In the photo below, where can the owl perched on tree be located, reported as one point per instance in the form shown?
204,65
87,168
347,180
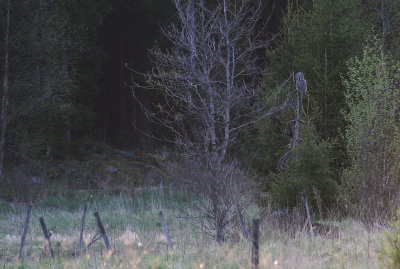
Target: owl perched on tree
301,84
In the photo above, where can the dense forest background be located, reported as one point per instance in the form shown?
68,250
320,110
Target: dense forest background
97,38
66,81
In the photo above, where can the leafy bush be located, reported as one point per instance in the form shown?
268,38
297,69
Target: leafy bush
307,169
370,185
390,253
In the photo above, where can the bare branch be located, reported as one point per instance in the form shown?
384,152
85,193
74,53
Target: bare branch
211,77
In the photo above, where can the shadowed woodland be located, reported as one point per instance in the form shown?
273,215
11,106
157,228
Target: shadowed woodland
220,111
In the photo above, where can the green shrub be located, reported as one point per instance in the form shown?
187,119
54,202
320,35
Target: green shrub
390,253
369,186
307,170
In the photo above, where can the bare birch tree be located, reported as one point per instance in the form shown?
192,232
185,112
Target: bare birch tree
211,76
211,79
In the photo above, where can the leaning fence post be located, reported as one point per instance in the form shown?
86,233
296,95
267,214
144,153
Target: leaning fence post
166,231
255,239
46,236
242,223
102,231
82,227
28,216
308,216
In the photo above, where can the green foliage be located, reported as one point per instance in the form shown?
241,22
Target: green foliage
264,145
318,41
384,14
5,208
53,43
307,168
390,250
370,184
60,203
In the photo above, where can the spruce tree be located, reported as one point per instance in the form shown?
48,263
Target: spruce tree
317,39
50,41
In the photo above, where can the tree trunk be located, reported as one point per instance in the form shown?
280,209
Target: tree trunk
218,225
66,78
296,140
4,104
229,73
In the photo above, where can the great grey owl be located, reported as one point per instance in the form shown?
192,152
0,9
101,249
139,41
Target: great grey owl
301,84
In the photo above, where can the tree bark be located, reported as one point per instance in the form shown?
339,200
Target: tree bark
21,246
166,231
102,231
46,237
296,140
82,228
4,103
241,219
255,258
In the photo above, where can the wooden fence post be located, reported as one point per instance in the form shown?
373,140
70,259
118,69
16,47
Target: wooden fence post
102,231
46,236
308,215
28,216
242,223
166,231
82,227
255,240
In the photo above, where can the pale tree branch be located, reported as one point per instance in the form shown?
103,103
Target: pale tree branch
211,76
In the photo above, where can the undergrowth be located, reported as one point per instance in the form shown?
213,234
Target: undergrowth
136,235
128,199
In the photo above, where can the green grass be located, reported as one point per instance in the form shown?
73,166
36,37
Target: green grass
138,241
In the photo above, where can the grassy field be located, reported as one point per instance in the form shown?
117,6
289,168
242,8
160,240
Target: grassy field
137,238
